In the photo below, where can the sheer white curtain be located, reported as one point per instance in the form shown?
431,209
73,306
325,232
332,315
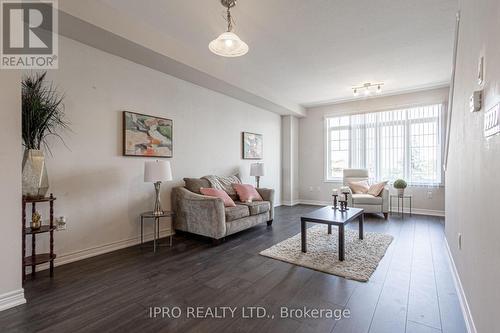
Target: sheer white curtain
403,143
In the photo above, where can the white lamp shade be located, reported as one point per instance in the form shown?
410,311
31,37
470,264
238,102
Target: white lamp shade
257,169
157,171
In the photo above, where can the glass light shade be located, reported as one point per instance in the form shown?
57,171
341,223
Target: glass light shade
228,44
157,171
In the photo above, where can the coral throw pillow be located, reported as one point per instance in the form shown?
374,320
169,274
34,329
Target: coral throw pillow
213,192
247,193
359,187
375,189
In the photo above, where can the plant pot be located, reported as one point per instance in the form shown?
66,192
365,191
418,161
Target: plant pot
35,225
401,192
35,178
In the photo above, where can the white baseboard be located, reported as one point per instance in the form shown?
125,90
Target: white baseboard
290,203
469,322
421,211
314,202
417,211
12,299
67,258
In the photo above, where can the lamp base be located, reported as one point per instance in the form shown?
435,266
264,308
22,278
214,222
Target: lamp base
257,180
157,211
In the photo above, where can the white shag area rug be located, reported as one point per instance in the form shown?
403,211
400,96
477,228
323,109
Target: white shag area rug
361,256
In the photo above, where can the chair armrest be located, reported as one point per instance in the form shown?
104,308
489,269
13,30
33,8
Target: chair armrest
267,194
385,200
198,213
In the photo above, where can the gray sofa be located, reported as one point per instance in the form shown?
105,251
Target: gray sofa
207,216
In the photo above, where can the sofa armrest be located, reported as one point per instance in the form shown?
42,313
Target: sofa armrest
198,213
385,200
267,194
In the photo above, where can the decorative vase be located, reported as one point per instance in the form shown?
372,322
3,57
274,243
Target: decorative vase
35,178
401,192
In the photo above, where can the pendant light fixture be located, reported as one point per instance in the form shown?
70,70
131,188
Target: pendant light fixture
228,44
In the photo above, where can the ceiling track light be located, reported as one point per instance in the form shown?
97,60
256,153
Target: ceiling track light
228,44
367,88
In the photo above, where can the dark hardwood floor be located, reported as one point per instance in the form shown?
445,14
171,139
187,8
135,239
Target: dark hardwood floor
411,291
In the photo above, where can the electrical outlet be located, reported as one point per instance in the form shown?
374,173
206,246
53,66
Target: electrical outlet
311,189
459,241
429,195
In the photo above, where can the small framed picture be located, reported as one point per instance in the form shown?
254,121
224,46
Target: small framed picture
147,136
253,147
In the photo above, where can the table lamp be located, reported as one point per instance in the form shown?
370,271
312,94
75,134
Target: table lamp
157,172
257,170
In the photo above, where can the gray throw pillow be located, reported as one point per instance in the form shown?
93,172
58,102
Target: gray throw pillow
194,184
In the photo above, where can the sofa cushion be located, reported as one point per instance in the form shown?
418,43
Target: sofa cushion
235,213
376,189
247,193
194,184
257,207
213,192
366,199
359,187
244,223
223,182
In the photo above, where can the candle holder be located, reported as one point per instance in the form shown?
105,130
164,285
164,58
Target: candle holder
335,201
343,205
346,196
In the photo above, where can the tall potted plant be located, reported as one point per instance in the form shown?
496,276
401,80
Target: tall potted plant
42,117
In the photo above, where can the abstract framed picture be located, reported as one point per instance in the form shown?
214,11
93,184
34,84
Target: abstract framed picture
253,146
147,136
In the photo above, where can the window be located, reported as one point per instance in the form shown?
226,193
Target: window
403,143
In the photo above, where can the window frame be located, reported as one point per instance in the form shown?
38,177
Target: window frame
441,120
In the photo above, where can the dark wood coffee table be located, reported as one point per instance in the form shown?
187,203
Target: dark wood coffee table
328,215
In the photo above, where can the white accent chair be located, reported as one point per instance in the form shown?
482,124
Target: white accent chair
369,203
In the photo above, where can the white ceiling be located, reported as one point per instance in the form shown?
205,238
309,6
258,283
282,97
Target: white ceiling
312,52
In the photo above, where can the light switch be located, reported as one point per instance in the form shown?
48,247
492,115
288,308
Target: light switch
492,121
476,101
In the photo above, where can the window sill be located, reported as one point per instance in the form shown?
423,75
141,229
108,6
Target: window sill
341,182
335,180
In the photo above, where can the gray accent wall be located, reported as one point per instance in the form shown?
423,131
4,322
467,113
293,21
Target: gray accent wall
101,192
472,177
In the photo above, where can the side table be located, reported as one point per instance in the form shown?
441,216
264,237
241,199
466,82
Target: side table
402,199
156,222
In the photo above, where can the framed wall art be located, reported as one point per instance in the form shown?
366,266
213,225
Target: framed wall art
253,146
147,136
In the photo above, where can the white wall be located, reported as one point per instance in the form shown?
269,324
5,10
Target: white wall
11,293
472,178
290,160
101,192
313,187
